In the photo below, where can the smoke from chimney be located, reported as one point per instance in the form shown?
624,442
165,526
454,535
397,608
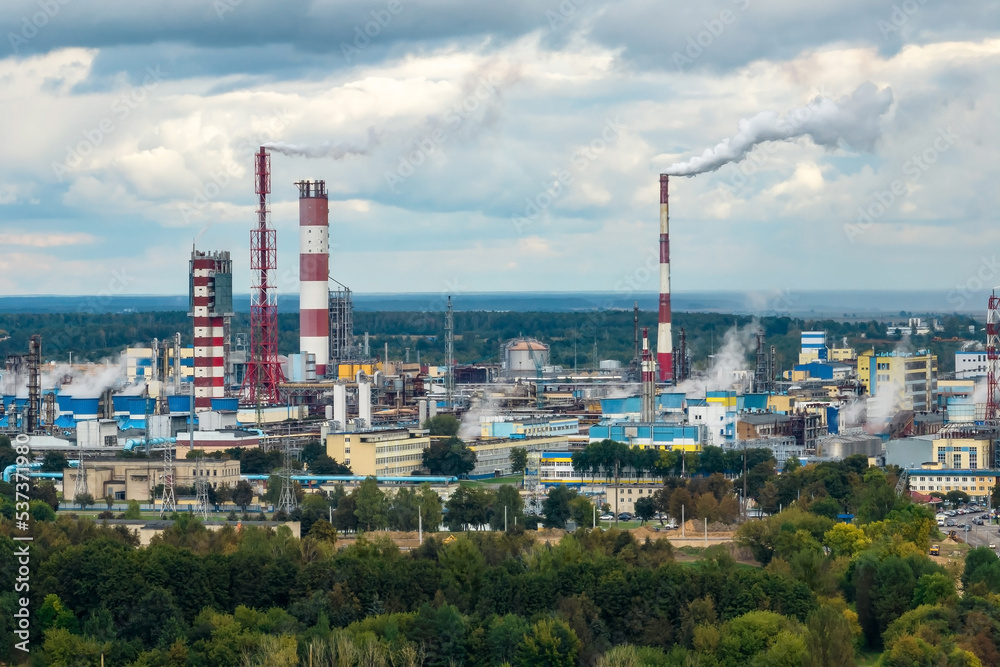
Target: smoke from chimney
327,149
853,120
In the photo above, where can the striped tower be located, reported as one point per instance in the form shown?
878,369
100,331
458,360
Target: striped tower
664,338
314,270
211,307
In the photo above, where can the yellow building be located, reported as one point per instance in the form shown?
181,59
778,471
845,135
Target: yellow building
396,452
977,483
911,377
843,354
963,453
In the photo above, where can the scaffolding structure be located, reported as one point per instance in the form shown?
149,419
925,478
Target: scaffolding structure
341,328
34,361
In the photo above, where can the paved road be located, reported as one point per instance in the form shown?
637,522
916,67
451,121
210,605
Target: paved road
982,536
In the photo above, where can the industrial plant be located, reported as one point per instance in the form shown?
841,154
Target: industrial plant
181,405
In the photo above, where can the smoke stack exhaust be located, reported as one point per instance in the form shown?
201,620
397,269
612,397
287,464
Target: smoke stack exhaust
314,271
664,339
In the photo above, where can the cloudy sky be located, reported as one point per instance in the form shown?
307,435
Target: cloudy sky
491,146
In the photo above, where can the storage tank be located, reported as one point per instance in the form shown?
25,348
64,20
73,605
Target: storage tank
521,356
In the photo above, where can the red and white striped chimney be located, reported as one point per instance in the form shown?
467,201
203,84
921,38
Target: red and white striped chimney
211,305
314,270
664,338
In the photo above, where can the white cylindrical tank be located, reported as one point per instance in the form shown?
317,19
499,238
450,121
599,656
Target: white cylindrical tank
340,404
365,402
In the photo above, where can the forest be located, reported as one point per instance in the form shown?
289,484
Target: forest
577,339
799,587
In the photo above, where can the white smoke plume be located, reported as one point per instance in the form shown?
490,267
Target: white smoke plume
327,149
727,363
92,382
853,120
889,398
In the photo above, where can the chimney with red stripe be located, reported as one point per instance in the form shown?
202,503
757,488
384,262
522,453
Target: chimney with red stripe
664,338
314,272
211,307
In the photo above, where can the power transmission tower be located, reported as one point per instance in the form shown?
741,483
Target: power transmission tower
449,341
200,478
81,478
287,501
169,500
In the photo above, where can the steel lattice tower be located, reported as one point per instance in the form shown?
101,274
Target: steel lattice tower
287,501
169,500
260,386
81,479
449,341
992,357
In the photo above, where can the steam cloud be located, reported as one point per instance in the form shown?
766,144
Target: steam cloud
853,120
727,363
327,149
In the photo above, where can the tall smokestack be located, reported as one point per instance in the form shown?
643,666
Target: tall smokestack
664,338
314,270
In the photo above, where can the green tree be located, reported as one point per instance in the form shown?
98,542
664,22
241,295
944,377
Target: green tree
46,492
518,459
41,511
507,499
556,506
326,465
449,457
371,505
54,462
551,643
830,640
430,507
645,508
403,509
957,498
877,497
133,511
243,494
443,425
311,451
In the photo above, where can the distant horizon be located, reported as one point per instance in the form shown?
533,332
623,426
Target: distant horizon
802,303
